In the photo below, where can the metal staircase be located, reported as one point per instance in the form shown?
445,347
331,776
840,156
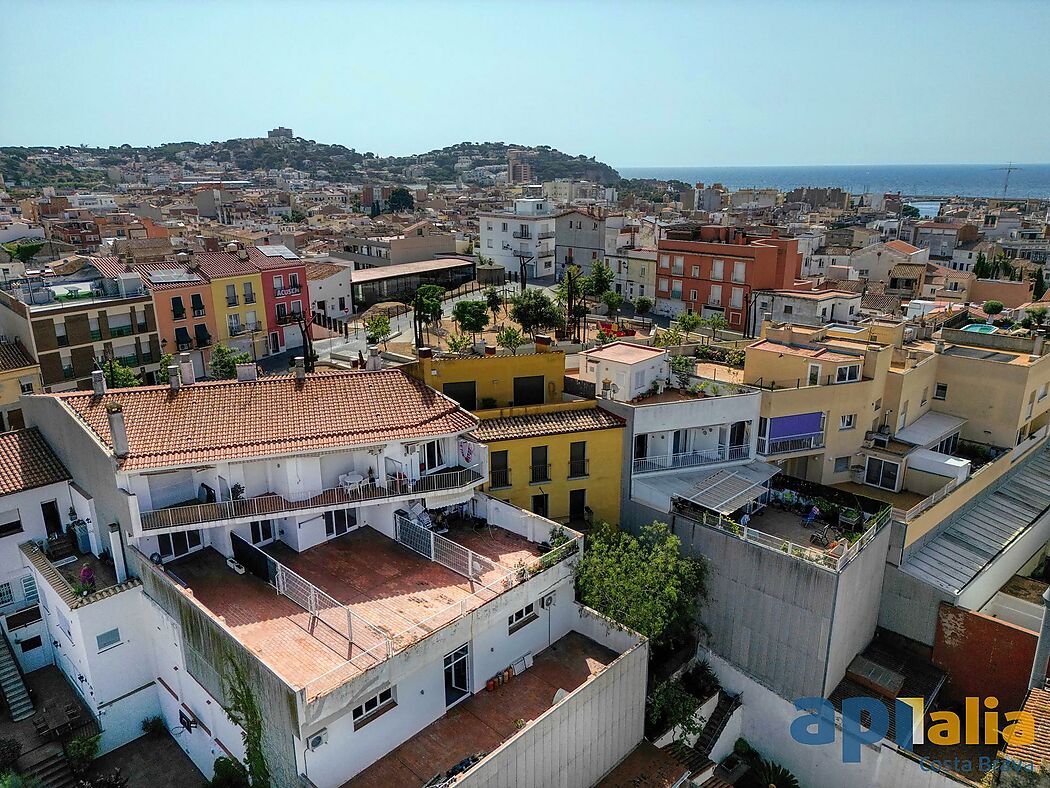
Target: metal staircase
16,695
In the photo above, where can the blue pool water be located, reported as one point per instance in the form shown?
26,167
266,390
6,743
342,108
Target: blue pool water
981,328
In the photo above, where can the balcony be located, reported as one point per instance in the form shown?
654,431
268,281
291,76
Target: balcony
540,473
271,504
232,300
545,253
284,320
198,312
790,445
579,469
249,298
524,236
179,315
184,345
120,331
499,479
236,330
545,235
691,459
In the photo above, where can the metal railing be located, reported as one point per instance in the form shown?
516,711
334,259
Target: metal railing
232,300
690,459
578,468
934,498
522,235
499,478
545,235
540,473
262,506
545,253
785,445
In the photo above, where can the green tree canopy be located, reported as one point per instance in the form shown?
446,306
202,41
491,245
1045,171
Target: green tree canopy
613,302
689,321
400,200
494,302
509,338
377,328
992,307
909,212
471,316
643,582
600,279
534,310
428,305
643,305
1039,286
23,251
224,361
118,376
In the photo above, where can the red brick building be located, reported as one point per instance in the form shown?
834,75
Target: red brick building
714,270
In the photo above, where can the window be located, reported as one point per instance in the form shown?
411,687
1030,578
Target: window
541,469
373,707
338,522
278,282
5,594
520,618
31,643
813,376
499,470
249,296
231,295
788,309
577,459
882,473
925,395
107,639
661,285
262,531
60,335
736,298
848,421
695,272
293,280
488,242
676,288
665,261
504,227
1043,391
715,298
178,309
539,504
181,543
488,226
692,295
29,592
847,374
940,391
679,265
842,464
10,523
738,271
717,269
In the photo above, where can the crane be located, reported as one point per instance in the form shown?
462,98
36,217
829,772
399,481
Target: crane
1007,169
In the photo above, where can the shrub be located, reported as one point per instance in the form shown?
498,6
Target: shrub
229,774
671,705
772,774
700,680
154,726
113,779
10,749
81,751
992,307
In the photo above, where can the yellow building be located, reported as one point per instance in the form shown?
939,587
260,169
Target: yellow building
19,375
558,458
236,289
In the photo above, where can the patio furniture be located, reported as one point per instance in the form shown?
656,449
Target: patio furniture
41,727
351,482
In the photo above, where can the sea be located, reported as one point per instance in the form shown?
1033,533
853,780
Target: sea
942,180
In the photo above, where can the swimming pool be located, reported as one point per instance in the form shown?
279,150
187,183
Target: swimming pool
981,328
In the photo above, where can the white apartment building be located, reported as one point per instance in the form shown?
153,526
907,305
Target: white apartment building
323,535
522,235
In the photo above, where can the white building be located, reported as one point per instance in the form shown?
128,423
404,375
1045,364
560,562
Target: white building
330,288
522,235
324,534
808,307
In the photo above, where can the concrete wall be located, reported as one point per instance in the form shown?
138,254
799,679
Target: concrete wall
909,606
580,739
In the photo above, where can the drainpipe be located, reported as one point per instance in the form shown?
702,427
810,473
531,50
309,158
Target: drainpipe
1042,648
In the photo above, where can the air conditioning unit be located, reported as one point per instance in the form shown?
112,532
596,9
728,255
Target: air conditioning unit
317,740
547,602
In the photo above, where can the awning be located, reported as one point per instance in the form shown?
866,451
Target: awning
929,428
729,489
798,426
182,336
201,332
197,301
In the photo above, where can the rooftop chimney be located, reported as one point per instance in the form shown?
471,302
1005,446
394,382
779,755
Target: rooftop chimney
374,361
247,372
1042,648
300,368
242,254
425,352
543,343
1037,346
173,377
186,365
912,359
117,430
98,382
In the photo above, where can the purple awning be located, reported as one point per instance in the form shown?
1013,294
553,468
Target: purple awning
797,426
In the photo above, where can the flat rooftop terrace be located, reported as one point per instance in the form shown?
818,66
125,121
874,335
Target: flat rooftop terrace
389,590
486,720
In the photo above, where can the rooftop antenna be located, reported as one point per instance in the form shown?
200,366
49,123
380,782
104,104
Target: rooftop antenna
1006,181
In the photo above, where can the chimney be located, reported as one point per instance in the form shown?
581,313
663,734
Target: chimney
374,361
543,343
912,360
300,369
1042,648
242,254
98,382
117,430
186,365
247,372
173,377
425,352
1037,346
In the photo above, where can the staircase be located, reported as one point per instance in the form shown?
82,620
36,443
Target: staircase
690,757
727,704
15,693
50,767
61,547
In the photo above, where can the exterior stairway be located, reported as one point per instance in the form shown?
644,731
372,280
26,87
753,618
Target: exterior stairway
727,704
50,767
15,693
61,547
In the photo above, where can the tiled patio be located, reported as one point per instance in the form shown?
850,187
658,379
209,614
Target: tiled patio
151,762
487,719
784,525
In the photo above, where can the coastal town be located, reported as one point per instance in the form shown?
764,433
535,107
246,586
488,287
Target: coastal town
488,467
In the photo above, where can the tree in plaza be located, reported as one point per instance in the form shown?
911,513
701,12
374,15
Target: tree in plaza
600,280
224,361
428,307
643,305
613,302
509,338
377,328
494,302
534,310
400,200
644,582
471,316
717,323
689,322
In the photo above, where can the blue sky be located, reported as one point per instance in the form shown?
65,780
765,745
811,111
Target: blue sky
634,84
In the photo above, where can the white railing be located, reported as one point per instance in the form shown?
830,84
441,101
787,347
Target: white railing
263,506
449,554
833,560
785,445
685,459
934,498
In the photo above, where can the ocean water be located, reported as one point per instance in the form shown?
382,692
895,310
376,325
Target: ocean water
967,180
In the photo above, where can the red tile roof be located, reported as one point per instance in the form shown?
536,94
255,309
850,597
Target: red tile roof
219,420
27,462
1038,752
13,356
532,425
219,264
902,246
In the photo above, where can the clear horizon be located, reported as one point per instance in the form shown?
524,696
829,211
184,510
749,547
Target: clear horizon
730,83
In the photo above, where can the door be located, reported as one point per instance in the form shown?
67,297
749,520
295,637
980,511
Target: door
539,504
457,675
465,393
339,522
52,518
262,532
577,504
529,390
540,471
178,544
275,342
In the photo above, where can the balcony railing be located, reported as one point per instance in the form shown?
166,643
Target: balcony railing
249,298
185,345
262,506
120,331
545,253
540,473
232,300
522,235
578,468
788,445
691,459
179,315
499,478
545,235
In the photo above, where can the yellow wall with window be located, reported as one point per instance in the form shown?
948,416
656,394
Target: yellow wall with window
243,310
493,376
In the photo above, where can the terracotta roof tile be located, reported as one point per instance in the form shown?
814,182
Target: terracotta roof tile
27,462
535,424
219,264
217,420
902,246
1038,752
13,356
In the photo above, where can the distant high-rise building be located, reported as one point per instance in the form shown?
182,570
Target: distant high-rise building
519,170
280,132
